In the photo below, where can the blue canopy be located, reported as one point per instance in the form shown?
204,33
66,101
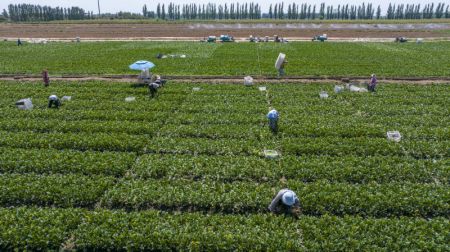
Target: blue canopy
141,65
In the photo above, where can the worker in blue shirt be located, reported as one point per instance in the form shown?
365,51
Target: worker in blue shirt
273,120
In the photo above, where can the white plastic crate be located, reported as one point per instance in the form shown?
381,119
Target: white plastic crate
357,89
262,89
323,95
338,89
24,104
394,136
66,98
271,154
196,89
248,80
130,99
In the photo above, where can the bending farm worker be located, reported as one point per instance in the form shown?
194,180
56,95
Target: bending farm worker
159,81
19,42
373,83
153,87
45,77
53,100
287,202
273,120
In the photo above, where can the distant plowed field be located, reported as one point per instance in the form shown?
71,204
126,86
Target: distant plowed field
237,30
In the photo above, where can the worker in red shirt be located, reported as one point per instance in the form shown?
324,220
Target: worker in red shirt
45,77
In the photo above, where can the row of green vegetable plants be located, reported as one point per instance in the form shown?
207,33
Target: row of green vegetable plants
71,190
317,198
52,161
363,146
350,129
85,114
425,121
56,125
76,141
34,228
349,168
317,128
334,146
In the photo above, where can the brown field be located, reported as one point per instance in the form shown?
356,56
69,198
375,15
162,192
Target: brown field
126,31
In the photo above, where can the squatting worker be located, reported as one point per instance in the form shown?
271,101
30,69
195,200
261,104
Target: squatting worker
159,81
53,100
373,83
153,87
45,77
273,120
285,202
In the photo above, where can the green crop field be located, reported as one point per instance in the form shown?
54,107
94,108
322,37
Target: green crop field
185,171
238,59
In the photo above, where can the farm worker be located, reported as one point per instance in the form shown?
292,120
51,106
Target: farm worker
285,202
373,83
281,71
45,77
159,81
276,38
53,100
273,120
19,43
153,87
145,76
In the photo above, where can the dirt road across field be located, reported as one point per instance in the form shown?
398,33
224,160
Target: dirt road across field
234,79
198,31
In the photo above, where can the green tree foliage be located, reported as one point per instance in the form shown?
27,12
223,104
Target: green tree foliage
30,12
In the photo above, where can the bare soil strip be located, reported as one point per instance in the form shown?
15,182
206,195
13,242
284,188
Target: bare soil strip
235,79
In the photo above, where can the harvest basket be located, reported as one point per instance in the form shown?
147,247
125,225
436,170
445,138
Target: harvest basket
24,104
394,136
271,154
66,98
323,95
248,81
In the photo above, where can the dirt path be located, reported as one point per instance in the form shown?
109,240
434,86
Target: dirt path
233,79
237,39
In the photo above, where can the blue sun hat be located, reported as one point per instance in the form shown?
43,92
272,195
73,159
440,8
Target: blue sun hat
289,198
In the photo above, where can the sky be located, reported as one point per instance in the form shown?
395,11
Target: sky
114,6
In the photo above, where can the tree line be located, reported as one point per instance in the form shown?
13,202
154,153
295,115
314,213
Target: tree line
281,10
31,12
250,10
205,11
